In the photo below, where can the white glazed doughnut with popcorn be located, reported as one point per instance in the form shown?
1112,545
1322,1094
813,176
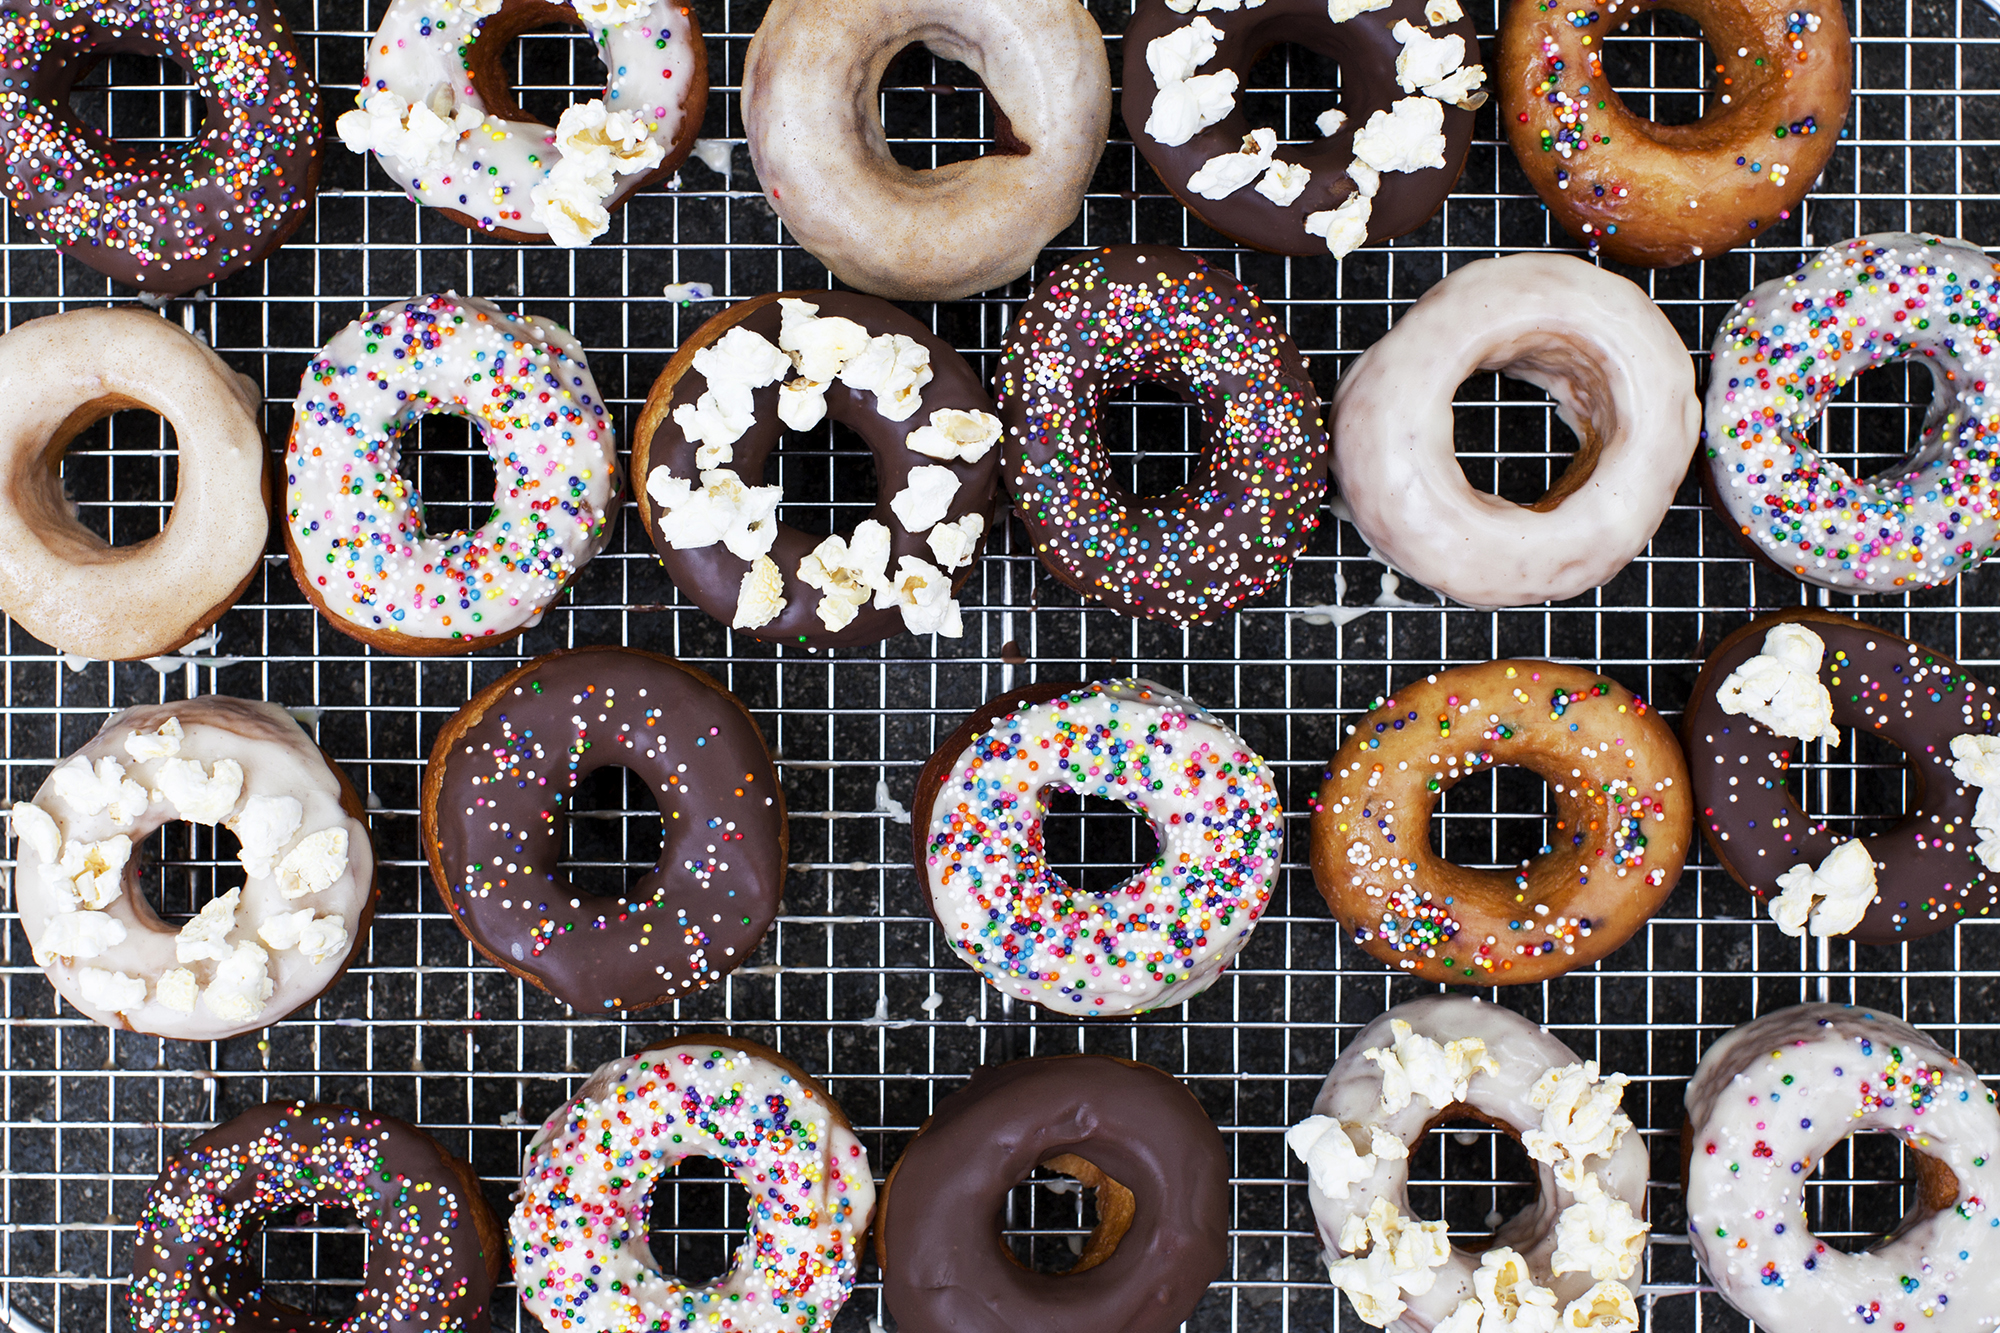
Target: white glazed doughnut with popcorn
437,111
251,956
1570,1260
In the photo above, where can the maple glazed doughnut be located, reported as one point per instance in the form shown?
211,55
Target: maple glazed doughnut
1658,195
1622,805
810,112
62,373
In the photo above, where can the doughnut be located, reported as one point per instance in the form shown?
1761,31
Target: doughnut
1622,805
438,112
373,570
496,859
716,413
60,581
1166,933
810,112
579,1232
1134,1134
1767,1104
263,950
1386,155
434,1248
1576,1249
165,222
1153,313
1620,379
1793,343
1806,675
1658,195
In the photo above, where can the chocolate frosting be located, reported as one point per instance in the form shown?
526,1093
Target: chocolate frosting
511,759
433,1252
1366,52
712,576
1927,873
944,1266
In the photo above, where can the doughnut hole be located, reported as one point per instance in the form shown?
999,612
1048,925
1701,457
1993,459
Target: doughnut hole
1496,818
313,1261
1659,63
1860,788
829,478
145,102
615,832
443,457
1511,443
937,111
182,867
120,472
1871,1187
1873,425
1152,438
1287,87
698,1216
1093,843
1067,1216
534,62
1473,1175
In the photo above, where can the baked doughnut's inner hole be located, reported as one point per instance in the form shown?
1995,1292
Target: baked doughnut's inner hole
615,832
147,103
452,482
1473,1175
829,478
1497,818
536,61
1093,843
183,867
1871,1187
1513,444
937,111
1873,426
698,1216
314,1260
1286,88
1152,438
1066,1217
120,473
1660,64
1859,789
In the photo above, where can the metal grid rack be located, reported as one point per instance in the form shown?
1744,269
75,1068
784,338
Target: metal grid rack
853,982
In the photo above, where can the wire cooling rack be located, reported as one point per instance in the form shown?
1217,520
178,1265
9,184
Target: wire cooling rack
853,982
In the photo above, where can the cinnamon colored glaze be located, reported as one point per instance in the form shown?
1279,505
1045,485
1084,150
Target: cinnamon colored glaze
1366,54
1927,874
938,767
711,575
945,1268
685,924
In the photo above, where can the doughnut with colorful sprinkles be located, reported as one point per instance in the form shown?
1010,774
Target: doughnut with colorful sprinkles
1792,344
355,526
1133,312
434,1248
174,221
1166,933
579,1232
1622,826
1766,1106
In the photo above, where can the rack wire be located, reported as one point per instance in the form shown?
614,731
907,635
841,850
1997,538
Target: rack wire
853,982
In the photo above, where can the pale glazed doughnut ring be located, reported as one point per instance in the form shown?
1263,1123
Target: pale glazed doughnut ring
1621,380
809,107
63,373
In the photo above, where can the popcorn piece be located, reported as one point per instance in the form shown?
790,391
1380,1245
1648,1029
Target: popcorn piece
264,826
1976,763
164,743
1425,59
602,139
1183,110
105,788
732,368
95,871
955,436
119,992
1332,1163
819,347
1226,173
1340,11
1608,1305
1599,1235
599,14
1830,900
1442,11
1345,228
1780,687
923,503
1582,1115
317,863
1175,57
895,367
281,930
761,596
242,986
848,572
954,543
418,136
1370,1283
569,201
1416,1066
801,403
1386,1145
77,935
197,793
1507,1292
743,518
1403,1256
924,593
1465,1319
1284,183
1460,87
317,938
1409,136
177,990
207,936
1330,121
36,831
1367,180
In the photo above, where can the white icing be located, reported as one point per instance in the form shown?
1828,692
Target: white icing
924,593
610,13
1976,763
1409,136
956,436
1830,899
1284,183
1415,1067
953,544
848,572
1183,110
1780,687
1226,173
895,368
924,501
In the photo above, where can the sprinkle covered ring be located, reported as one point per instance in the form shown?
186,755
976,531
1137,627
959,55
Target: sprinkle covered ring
1165,934
1128,313
579,1233
1621,830
1792,344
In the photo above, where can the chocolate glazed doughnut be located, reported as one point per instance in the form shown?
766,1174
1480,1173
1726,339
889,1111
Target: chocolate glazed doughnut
1928,871
1135,1133
501,774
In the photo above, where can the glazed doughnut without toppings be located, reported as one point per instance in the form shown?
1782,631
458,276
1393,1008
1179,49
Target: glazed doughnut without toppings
437,110
62,373
1129,313
1622,806
1620,379
580,1232
173,221
1793,343
1576,1249
1805,675
810,97
1134,1133
1646,193
434,1248
791,360
507,766
262,950
1767,1105
355,527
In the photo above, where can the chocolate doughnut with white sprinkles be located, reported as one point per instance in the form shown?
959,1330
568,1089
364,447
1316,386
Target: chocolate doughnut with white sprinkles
1136,312
505,770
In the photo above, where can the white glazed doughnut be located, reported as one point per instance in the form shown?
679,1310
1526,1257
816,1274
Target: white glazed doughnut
1620,379
1576,1251
354,525
810,95
437,112
252,956
1773,1098
579,1232
60,374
